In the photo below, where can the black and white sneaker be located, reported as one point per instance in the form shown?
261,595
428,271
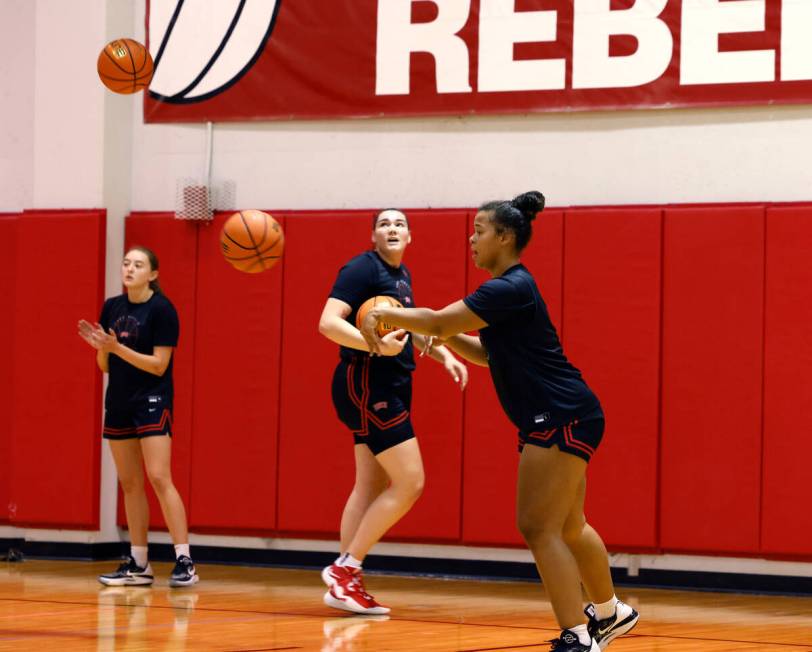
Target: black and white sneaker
184,573
129,574
607,630
568,642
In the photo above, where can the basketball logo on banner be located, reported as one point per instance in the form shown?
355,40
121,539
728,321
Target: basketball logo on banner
201,48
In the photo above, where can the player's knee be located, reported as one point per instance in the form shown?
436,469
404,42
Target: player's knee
161,481
411,484
573,531
536,530
132,484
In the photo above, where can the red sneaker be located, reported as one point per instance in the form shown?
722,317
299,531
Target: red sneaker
347,591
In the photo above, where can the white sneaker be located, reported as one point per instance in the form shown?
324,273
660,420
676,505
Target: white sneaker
607,630
129,574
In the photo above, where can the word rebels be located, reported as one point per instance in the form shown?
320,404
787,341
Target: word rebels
696,31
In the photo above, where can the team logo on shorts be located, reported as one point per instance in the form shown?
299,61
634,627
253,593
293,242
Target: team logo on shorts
201,48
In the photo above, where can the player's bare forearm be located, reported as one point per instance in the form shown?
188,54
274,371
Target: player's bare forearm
152,364
341,332
437,352
102,359
468,347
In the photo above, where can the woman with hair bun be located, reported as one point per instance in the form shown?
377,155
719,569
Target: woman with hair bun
559,418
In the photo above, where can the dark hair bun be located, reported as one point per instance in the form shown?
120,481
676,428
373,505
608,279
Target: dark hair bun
529,203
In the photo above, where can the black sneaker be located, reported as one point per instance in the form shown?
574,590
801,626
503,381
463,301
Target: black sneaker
607,630
129,574
184,573
569,642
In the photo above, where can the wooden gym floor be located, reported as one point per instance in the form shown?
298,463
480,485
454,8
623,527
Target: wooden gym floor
57,605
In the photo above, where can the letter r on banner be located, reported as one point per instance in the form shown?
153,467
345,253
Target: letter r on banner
398,37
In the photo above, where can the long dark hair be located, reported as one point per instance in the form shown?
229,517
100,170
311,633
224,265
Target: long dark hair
153,264
516,215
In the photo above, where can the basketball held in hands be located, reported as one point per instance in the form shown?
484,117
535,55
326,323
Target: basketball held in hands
369,304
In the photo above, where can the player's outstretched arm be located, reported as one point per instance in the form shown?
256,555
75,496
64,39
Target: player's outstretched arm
468,347
334,326
436,351
454,319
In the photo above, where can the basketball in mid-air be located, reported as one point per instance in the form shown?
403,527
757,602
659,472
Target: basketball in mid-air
252,241
125,66
369,304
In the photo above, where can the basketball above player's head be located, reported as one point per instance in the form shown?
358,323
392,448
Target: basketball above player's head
141,264
515,216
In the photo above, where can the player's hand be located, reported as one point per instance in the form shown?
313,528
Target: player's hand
86,331
457,370
369,331
432,341
105,342
393,343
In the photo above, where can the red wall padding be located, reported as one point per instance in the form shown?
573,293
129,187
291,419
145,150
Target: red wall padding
435,259
712,379
56,411
612,292
8,285
786,526
491,458
236,391
175,244
316,464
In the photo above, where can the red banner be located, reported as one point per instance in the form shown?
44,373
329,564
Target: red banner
237,60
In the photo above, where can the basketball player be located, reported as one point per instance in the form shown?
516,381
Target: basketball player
372,396
559,418
134,340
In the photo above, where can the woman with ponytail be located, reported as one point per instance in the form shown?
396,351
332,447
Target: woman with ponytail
134,340
559,418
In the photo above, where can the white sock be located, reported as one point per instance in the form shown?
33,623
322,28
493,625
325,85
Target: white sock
582,633
348,560
606,609
182,549
140,554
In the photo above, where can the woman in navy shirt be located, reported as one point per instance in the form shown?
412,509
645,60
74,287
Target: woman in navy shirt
559,418
134,341
372,396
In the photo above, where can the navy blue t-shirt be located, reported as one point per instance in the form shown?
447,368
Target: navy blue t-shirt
140,327
365,276
538,387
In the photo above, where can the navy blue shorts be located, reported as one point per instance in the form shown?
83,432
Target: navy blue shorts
151,417
579,437
377,416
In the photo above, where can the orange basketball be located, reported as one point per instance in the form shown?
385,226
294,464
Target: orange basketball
383,328
252,241
125,66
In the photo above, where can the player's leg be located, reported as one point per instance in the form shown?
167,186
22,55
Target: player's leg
370,481
404,468
135,571
608,617
547,490
156,447
403,465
